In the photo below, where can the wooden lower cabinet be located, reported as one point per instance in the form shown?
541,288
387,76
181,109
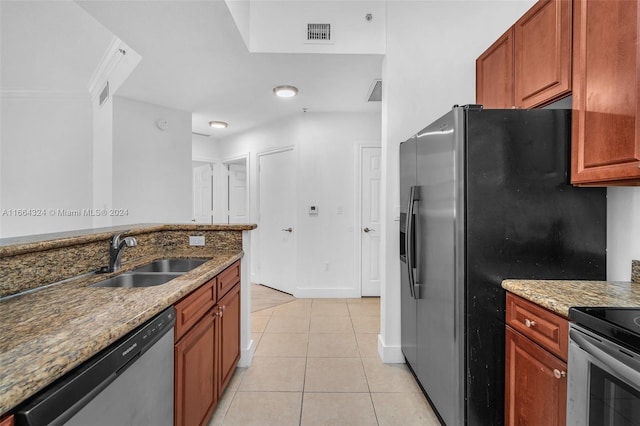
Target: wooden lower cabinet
536,383
229,319
207,353
196,390
536,364
7,421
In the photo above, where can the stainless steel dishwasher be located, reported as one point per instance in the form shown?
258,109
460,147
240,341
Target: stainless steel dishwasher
130,383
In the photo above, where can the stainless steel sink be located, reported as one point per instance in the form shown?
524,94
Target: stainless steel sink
137,280
171,265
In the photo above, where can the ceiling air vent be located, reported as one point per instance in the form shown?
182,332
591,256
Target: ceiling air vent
318,32
375,91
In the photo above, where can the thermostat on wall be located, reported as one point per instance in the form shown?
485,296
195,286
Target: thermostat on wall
313,210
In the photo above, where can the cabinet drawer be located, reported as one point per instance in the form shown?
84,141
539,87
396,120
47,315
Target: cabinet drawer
544,327
193,307
228,278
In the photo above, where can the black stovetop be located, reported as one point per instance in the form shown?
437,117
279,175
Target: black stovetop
621,325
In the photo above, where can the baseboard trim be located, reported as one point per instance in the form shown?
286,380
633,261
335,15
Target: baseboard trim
246,355
390,354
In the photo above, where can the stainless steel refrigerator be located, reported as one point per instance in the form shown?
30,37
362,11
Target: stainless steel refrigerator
485,196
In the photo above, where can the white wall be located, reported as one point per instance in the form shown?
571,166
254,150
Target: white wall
325,145
151,167
429,66
623,231
46,161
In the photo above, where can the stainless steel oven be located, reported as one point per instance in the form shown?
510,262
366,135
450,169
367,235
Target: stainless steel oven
603,369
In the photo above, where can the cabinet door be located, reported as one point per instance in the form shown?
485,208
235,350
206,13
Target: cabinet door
195,366
535,384
543,53
229,308
494,74
606,79
7,421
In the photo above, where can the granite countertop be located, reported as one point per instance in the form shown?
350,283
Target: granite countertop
48,332
559,295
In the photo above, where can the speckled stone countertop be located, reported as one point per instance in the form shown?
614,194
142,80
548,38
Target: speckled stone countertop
48,332
31,243
560,295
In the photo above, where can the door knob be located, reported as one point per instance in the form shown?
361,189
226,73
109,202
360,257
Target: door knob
368,230
289,229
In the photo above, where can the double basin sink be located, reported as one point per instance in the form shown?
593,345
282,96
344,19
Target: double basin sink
154,273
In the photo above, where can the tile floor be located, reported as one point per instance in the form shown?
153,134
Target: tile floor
317,363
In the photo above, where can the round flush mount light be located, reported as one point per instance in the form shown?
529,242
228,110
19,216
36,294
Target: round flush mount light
218,124
285,91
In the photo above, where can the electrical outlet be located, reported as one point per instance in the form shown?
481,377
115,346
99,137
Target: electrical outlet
196,240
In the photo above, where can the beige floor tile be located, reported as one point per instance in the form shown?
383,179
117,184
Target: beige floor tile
366,324
329,300
223,406
287,324
264,409
293,309
263,297
333,345
357,300
258,323
364,309
407,409
274,375
353,409
368,345
236,378
388,377
283,345
329,309
330,324
264,312
335,375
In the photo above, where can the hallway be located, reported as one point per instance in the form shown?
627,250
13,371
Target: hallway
316,363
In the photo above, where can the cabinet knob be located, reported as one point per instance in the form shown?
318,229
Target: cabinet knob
529,323
559,374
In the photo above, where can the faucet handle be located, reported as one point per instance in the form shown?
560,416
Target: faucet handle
130,241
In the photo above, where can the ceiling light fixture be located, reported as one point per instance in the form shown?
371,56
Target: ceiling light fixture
218,124
285,91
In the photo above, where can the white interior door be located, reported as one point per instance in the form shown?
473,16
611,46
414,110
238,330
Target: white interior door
370,235
237,192
202,192
277,220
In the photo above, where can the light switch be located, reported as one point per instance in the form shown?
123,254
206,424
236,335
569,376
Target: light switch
313,210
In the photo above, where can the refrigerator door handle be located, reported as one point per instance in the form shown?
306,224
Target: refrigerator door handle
410,240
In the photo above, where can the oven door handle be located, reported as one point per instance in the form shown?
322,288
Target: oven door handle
621,364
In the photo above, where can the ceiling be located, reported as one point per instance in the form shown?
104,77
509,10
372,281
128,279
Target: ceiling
193,59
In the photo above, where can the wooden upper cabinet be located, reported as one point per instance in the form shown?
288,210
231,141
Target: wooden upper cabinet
543,53
530,64
494,74
606,102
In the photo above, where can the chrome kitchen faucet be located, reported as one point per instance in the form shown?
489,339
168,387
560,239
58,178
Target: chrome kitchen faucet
115,250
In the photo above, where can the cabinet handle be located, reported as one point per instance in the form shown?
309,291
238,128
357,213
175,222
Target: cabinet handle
559,374
529,323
